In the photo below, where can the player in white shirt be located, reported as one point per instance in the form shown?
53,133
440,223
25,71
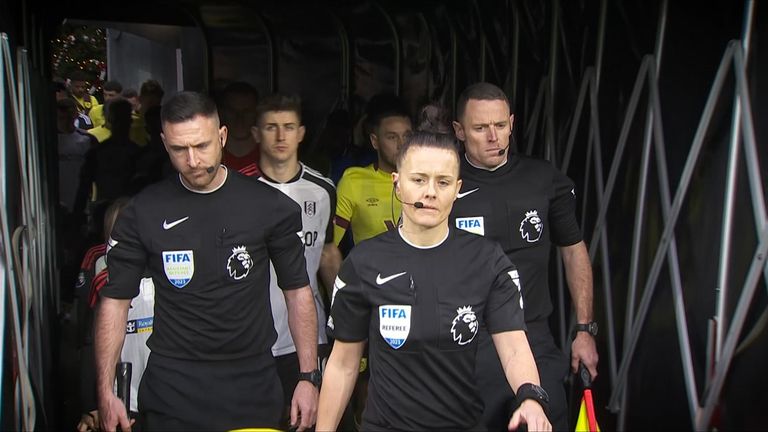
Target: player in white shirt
279,132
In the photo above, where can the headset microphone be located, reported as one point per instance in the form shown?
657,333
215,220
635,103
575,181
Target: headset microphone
210,169
504,150
417,204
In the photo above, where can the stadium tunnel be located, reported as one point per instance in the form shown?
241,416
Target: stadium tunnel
650,106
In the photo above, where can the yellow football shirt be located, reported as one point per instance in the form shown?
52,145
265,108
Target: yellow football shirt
97,115
85,104
364,203
102,133
138,132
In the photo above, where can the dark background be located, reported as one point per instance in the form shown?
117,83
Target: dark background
337,54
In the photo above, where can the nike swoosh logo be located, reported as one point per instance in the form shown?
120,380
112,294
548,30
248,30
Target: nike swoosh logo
463,194
167,226
380,280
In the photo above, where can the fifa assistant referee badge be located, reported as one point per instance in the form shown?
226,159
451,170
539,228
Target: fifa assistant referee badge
532,391
315,377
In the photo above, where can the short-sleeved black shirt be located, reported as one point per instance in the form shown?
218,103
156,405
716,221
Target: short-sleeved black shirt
526,205
421,309
208,254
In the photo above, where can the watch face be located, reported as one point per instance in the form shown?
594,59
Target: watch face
541,393
315,377
590,328
593,328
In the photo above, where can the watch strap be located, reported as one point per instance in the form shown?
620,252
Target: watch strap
590,327
313,376
535,392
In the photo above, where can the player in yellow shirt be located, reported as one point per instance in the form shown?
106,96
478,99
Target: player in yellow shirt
138,133
364,200
111,90
78,87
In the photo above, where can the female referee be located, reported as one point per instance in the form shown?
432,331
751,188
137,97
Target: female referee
419,295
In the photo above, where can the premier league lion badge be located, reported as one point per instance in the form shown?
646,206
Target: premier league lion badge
531,227
239,263
464,326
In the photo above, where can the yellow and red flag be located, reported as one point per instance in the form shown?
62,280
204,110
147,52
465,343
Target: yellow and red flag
586,422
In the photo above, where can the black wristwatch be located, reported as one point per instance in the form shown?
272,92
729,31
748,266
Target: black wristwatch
315,377
590,327
532,391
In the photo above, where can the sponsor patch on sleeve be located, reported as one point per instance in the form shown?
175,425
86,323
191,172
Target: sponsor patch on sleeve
141,325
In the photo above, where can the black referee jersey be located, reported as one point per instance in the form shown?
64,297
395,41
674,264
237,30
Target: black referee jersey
421,309
208,254
525,205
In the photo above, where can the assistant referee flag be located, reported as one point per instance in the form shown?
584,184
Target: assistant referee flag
586,422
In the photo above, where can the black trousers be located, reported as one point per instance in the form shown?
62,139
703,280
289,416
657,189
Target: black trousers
495,391
176,395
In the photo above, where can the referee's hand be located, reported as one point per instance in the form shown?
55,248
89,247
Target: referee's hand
89,422
532,414
112,414
304,406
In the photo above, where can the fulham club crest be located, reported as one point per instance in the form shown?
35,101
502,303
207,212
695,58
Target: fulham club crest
531,227
464,326
310,207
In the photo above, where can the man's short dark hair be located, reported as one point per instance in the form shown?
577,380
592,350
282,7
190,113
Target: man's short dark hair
185,106
129,93
59,86
113,86
279,102
427,139
479,91
381,106
118,114
152,87
67,105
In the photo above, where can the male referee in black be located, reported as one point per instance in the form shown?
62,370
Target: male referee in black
526,205
207,236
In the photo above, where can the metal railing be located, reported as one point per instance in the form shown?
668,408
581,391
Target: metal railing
24,256
726,336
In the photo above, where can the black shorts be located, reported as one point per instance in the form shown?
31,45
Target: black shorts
210,395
